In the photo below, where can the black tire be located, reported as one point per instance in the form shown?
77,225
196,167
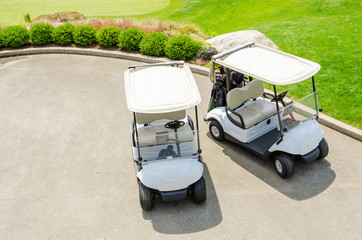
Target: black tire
284,165
199,191
216,130
147,200
323,149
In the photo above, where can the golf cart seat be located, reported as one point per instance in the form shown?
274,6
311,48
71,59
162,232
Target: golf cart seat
251,112
156,134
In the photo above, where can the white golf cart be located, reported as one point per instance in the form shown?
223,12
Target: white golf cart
262,122
166,150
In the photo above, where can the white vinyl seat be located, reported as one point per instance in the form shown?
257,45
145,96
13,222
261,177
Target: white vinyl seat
252,112
158,134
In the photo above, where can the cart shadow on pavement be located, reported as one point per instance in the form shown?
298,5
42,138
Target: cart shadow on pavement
308,180
185,216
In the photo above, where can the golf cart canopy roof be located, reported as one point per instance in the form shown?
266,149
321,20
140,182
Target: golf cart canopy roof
266,64
160,88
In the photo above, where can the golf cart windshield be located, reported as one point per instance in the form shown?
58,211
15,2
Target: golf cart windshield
158,142
300,111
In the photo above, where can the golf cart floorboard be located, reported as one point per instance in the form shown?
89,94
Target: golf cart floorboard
262,144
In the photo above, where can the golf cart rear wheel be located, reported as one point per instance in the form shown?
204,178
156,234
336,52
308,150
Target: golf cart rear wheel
284,165
147,200
199,191
323,149
216,130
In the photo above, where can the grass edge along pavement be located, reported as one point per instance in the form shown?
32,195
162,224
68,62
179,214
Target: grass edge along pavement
323,119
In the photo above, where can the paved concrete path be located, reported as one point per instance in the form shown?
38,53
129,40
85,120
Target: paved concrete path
66,170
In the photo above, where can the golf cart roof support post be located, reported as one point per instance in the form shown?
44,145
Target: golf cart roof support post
158,64
138,144
315,99
228,80
197,130
279,119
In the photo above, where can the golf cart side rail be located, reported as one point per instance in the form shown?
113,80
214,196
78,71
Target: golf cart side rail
232,50
158,64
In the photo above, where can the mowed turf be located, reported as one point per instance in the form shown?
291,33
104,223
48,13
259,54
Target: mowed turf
328,32
13,11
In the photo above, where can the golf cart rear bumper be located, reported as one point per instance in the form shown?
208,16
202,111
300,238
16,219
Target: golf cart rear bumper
310,157
174,195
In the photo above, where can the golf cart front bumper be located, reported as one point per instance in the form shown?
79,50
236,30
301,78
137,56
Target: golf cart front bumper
310,157
174,195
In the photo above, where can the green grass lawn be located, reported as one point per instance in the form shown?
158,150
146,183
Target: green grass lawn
324,31
13,11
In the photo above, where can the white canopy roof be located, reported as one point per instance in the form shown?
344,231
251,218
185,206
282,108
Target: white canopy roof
160,88
266,64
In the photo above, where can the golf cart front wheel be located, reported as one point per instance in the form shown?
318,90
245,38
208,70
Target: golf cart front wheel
323,149
216,130
284,165
199,191
147,200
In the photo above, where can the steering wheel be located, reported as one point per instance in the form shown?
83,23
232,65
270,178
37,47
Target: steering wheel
174,124
280,97
167,152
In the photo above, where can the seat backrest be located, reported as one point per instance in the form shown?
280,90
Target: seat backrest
144,118
238,96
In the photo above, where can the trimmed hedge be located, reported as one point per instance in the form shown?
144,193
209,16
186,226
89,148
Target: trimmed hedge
153,44
15,36
63,34
130,38
207,53
108,36
85,35
41,33
182,47
1,38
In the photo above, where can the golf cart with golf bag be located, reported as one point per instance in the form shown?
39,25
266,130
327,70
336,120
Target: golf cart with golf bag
240,110
165,144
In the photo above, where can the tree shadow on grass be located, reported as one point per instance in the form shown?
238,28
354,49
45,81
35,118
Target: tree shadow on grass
308,180
185,216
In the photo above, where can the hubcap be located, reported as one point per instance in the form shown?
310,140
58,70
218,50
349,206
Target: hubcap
215,131
278,166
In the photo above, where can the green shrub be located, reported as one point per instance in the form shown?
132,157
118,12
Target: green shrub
41,33
108,36
1,38
153,44
130,38
63,34
182,47
207,53
85,35
15,36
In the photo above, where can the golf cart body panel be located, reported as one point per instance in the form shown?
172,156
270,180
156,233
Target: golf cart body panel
240,110
267,64
300,140
219,114
171,174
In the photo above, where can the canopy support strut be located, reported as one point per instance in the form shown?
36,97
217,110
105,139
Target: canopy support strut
279,118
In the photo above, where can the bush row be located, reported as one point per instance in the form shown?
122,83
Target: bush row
180,47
